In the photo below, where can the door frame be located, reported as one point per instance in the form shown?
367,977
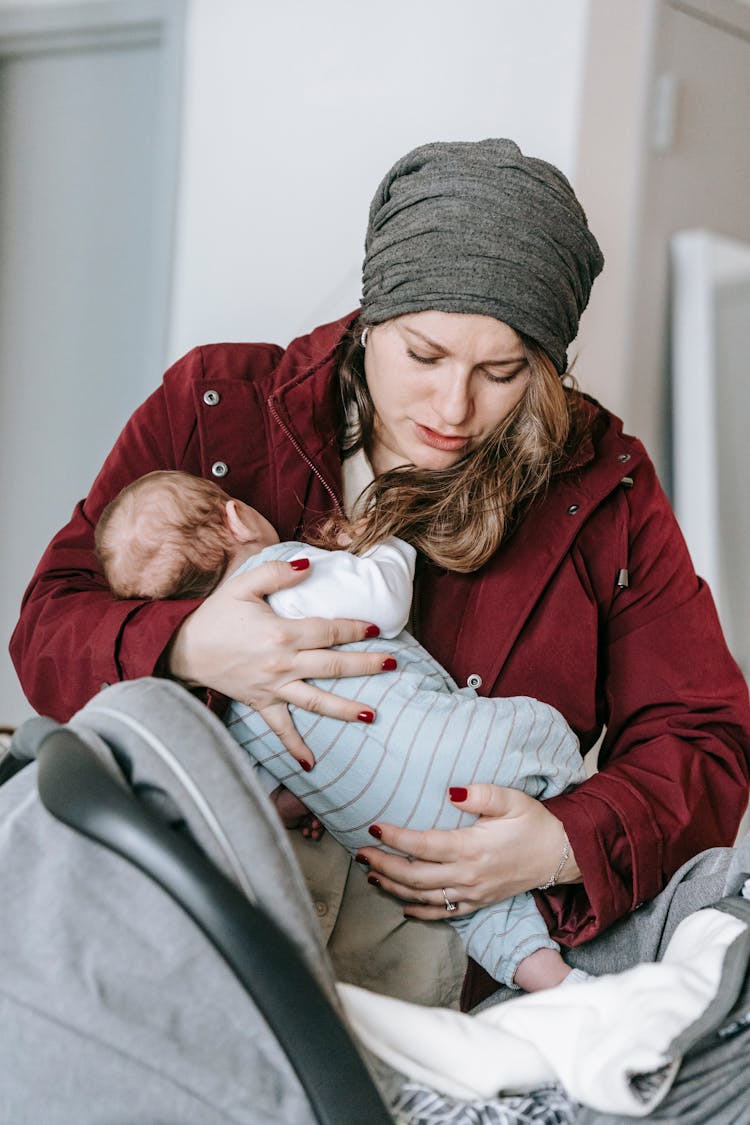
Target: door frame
626,113
52,28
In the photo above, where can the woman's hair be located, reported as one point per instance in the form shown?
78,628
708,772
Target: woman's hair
164,536
459,516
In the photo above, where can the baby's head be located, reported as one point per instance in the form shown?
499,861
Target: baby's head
173,535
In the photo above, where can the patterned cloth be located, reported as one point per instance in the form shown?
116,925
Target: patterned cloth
418,1105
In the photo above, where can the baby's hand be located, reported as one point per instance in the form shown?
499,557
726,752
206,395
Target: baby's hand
294,814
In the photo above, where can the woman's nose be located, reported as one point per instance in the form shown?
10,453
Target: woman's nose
452,400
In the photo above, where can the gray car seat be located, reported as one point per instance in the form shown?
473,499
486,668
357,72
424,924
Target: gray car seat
114,1006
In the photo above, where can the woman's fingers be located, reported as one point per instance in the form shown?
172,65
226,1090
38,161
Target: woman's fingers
333,664
280,721
437,913
310,632
308,697
422,901
491,800
435,845
516,844
305,647
412,879
234,643
268,578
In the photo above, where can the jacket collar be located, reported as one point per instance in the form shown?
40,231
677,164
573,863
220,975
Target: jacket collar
304,392
303,407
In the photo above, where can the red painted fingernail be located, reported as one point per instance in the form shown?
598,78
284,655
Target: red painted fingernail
372,631
376,831
305,765
373,881
299,564
458,793
361,859
389,664
366,716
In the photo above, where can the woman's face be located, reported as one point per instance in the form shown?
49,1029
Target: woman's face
440,384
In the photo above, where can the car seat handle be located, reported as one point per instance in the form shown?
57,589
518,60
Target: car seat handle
76,787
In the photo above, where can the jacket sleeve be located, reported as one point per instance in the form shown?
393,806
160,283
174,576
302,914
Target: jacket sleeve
73,637
674,763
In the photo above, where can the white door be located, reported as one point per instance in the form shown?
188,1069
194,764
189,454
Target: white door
696,175
711,396
85,233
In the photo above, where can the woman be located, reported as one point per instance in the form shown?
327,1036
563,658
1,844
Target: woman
552,564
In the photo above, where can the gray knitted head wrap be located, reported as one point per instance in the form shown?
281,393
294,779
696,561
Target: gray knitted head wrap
477,227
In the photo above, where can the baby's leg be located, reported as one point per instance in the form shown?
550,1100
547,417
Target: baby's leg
543,969
510,937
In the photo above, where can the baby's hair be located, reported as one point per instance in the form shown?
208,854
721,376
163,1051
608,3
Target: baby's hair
164,536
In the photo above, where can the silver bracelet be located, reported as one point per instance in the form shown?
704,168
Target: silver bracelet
559,869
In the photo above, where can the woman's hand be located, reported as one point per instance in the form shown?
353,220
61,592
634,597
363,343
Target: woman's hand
234,643
515,845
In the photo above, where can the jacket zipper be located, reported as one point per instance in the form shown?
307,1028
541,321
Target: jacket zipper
311,465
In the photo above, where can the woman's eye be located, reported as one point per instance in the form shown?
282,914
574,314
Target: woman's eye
426,359
504,380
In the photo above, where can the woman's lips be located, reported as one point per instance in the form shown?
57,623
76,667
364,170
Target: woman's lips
440,441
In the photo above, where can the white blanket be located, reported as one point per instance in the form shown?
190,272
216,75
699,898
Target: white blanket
607,1041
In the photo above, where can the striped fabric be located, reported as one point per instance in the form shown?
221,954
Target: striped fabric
428,735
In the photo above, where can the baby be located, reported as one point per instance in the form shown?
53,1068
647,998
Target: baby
172,535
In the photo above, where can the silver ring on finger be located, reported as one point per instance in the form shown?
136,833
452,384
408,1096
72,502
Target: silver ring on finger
449,906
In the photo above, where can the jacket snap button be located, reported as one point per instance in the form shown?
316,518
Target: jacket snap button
321,909
573,509
211,398
623,457
219,469
474,680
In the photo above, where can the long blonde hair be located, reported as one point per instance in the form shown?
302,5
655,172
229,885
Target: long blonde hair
458,517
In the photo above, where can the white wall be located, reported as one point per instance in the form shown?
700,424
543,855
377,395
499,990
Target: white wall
294,111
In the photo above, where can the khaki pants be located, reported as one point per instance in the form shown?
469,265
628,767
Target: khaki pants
369,941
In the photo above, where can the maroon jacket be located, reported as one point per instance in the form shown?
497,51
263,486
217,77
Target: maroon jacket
546,617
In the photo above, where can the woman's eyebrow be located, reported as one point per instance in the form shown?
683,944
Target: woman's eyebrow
441,348
425,339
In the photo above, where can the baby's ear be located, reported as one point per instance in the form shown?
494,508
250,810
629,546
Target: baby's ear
236,524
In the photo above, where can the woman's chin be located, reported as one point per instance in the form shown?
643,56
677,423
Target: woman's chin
434,460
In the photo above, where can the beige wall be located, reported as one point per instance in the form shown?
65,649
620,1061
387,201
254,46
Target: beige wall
608,173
